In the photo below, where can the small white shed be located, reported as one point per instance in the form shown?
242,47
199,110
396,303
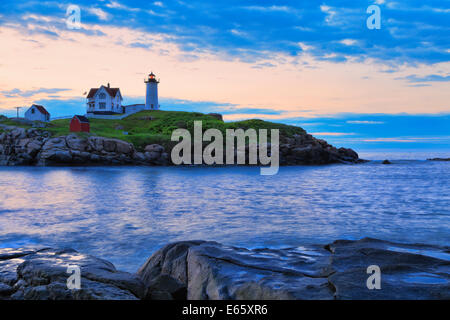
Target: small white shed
37,113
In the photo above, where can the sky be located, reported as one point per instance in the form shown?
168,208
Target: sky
315,64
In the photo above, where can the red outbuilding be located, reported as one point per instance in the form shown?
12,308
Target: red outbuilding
79,124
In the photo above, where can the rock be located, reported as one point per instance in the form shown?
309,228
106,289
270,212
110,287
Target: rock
348,153
439,159
5,289
154,148
18,133
42,274
386,162
109,145
165,287
76,143
139,156
55,143
210,270
119,127
151,156
96,143
124,147
407,271
35,147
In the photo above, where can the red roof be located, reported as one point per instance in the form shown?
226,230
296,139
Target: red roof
111,91
82,119
41,109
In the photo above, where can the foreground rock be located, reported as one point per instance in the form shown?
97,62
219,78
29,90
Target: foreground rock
42,275
209,270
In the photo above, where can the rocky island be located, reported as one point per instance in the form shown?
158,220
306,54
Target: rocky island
144,139
202,270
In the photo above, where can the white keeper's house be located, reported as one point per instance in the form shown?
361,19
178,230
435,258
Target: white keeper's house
104,100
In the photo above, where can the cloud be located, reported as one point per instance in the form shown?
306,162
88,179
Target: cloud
364,122
348,42
29,93
402,140
140,45
263,65
335,134
428,78
412,32
102,15
251,111
117,5
273,8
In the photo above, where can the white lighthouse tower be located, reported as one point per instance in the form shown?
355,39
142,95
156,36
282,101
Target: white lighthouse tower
151,98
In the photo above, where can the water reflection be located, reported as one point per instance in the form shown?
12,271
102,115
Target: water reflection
124,214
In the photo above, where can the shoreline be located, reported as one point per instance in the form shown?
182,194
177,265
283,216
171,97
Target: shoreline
207,270
19,146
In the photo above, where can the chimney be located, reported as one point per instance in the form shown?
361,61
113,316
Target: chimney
108,84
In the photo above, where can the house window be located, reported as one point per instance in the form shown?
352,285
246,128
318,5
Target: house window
32,110
102,105
102,96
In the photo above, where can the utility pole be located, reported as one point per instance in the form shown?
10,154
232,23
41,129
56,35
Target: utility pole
18,111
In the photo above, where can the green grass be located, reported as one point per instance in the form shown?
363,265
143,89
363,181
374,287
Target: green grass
142,132
9,122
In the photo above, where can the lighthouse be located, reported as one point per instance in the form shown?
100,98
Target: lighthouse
151,98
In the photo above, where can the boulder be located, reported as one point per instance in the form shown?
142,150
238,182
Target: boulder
34,147
349,153
152,156
407,271
154,148
42,275
124,147
55,143
96,143
109,145
18,133
164,287
76,143
209,270
386,162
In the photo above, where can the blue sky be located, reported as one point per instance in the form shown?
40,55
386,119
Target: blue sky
405,65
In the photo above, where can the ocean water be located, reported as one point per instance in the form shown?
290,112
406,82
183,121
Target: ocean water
124,214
